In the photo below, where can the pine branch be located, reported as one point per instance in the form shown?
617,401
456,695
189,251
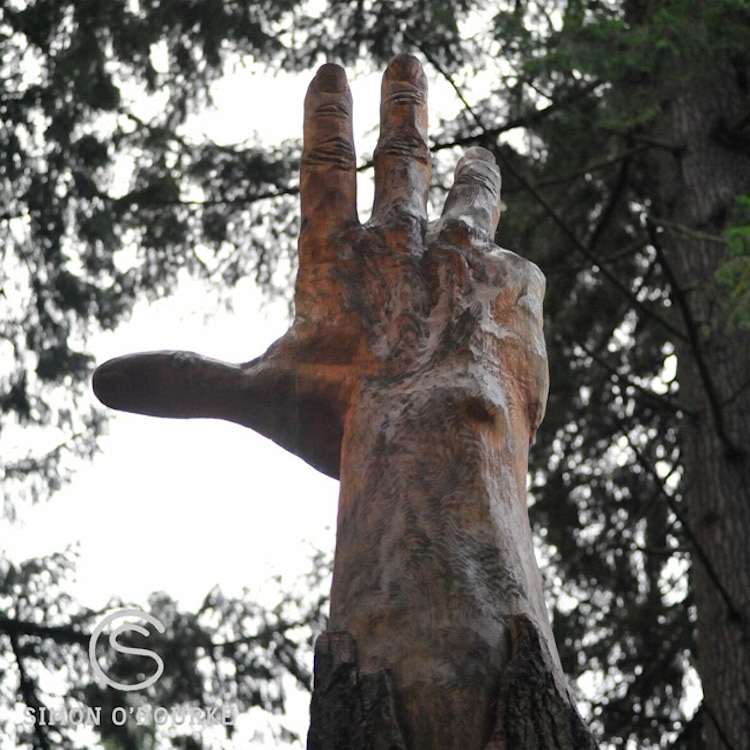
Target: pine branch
659,400
688,232
582,248
522,121
675,148
594,166
615,194
142,199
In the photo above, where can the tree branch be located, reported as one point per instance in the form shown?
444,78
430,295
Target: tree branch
28,693
614,196
136,198
688,232
674,148
525,120
483,139
582,248
659,400
587,169
64,634
734,612
732,451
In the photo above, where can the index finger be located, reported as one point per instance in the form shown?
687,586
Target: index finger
328,183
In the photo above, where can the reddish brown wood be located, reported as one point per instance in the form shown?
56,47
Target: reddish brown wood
415,370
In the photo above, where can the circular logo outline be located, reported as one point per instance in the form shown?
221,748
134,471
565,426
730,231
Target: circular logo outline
99,673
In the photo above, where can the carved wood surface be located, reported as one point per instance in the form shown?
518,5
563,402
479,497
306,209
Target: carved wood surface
415,371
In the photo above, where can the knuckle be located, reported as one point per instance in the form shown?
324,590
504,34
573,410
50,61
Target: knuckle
407,144
404,94
335,151
479,174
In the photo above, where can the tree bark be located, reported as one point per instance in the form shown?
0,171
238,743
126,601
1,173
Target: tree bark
355,711
415,370
699,183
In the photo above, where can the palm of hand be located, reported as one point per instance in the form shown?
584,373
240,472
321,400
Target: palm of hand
387,299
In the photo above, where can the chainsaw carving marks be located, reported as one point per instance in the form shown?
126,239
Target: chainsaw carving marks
433,537
415,371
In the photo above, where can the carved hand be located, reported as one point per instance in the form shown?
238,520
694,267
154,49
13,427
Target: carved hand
415,370
381,299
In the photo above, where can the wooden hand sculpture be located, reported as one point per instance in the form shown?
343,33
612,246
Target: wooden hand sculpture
415,371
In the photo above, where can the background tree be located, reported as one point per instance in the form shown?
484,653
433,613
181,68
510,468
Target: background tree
621,128
650,101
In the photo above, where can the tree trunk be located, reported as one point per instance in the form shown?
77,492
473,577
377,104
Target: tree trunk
416,371
699,183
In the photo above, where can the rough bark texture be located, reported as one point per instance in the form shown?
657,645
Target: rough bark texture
700,181
415,370
352,710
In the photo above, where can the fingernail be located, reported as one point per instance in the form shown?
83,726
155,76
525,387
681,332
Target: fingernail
404,68
330,78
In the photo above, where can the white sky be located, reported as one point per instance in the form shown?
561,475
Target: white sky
182,505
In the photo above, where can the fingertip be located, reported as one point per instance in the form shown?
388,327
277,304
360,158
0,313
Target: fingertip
330,79
478,165
402,156
328,180
478,153
405,68
110,386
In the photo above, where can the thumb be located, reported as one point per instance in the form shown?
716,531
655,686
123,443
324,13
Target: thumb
167,384
302,413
